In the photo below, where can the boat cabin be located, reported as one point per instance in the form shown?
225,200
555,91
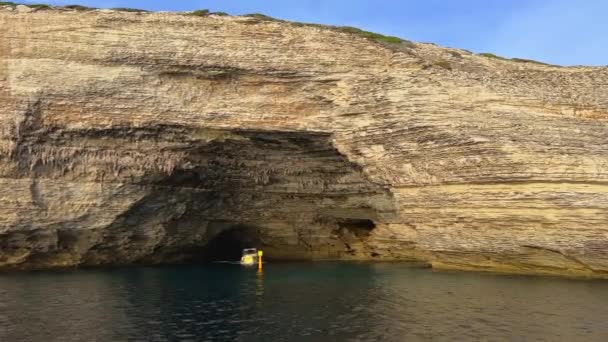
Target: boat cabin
249,256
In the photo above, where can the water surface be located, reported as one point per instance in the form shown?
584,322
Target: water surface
298,302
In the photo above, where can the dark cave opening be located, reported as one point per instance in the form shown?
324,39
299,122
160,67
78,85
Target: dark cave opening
229,244
360,227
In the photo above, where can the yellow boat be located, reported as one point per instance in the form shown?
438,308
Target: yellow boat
250,257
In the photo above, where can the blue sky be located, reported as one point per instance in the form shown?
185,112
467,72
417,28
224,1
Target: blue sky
566,32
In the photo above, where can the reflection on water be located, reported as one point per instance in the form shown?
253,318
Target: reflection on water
297,302
259,283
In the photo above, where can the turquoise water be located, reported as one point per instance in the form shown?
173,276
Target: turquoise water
298,302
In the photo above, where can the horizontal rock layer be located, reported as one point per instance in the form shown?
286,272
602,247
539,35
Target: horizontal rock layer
160,137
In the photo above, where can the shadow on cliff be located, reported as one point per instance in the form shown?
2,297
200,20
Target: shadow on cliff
292,193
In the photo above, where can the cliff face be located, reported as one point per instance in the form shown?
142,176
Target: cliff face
128,137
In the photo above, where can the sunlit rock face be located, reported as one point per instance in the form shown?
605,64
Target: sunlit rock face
159,138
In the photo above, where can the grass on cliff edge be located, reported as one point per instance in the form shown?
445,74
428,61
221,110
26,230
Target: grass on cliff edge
262,17
371,35
519,60
73,7
346,29
127,9
205,13
44,6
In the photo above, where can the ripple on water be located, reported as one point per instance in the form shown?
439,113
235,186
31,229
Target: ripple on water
298,302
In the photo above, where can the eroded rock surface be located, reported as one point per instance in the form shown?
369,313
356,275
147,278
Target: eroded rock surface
143,137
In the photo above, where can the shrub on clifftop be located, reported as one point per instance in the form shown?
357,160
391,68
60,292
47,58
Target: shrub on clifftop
200,13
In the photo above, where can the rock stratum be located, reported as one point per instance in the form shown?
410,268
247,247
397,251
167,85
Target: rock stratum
162,137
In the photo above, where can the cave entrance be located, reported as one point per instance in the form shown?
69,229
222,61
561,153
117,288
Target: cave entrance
361,228
229,243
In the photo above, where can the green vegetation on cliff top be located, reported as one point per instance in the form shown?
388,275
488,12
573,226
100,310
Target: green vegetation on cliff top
262,17
371,35
346,29
519,60
205,13
126,9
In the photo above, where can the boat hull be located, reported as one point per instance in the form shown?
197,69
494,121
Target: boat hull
248,260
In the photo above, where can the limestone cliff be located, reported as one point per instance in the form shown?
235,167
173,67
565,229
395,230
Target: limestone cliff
163,137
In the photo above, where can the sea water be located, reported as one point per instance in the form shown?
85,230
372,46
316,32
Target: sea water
298,302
